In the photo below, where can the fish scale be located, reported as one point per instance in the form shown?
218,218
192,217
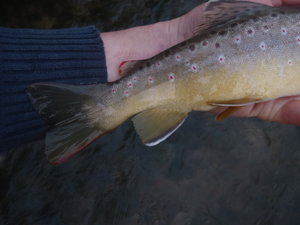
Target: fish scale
242,54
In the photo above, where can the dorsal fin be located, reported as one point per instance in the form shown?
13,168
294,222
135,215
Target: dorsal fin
218,12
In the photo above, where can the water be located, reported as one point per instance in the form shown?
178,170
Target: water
240,171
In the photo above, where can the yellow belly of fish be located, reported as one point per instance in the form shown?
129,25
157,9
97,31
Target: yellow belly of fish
261,82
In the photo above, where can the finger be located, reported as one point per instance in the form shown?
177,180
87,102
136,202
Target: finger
189,22
291,2
284,110
289,113
276,2
267,2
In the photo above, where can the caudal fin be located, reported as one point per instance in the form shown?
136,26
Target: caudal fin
64,108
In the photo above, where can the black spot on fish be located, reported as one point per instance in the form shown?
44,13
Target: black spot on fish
216,21
274,15
217,45
250,31
167,53
282,12
233,25
213,32
148,64
192,47
241,21
223,32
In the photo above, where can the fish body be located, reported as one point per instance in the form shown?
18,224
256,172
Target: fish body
244,53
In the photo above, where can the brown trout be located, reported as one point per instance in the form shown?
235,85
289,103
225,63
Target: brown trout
244,53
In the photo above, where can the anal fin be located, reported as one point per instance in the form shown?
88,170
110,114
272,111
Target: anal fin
155,125
227,112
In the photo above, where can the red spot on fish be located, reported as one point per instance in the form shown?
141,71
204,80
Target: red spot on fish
129,84
150,79
298,40
262,46
113,91
171,77
250,31
221,59
237,39
178,57
195,68
204,43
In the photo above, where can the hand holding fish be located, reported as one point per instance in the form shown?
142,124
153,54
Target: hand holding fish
240,55
144,42
147,41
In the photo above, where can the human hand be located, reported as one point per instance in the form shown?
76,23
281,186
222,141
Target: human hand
284,110
144,42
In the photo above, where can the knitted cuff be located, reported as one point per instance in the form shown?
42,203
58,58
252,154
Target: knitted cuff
73,55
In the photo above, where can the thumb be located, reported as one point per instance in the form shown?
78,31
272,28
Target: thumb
289,113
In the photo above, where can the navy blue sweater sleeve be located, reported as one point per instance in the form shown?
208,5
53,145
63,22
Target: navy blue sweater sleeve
73,56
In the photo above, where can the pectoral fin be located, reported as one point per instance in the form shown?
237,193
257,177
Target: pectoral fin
234,105
155,125
236,102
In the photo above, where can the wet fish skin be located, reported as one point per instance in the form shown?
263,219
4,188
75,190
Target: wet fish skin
244,53
251,57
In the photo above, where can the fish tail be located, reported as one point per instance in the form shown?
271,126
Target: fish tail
65,109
